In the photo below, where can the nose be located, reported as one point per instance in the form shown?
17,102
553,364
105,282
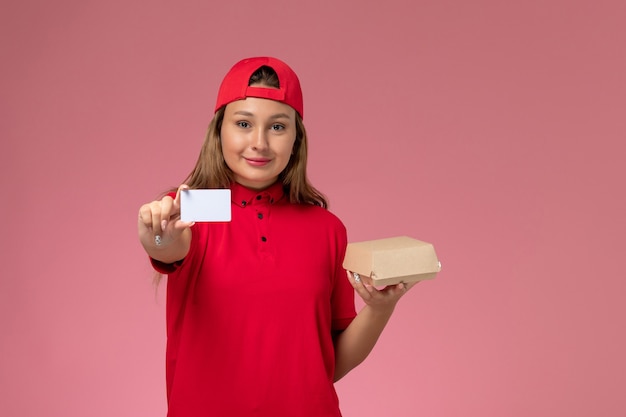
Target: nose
259,140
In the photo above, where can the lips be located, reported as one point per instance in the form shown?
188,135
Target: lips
257,161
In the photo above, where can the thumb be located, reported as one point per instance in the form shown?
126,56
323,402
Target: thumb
181,188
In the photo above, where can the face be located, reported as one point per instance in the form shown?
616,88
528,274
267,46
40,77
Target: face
257,139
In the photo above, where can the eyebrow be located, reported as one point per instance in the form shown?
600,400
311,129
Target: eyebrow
274,116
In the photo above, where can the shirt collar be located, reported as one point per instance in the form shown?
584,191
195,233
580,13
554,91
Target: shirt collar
243,196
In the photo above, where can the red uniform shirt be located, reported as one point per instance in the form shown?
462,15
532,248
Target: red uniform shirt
251,310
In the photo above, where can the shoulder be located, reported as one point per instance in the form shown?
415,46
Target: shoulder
320,215
330,217
320,222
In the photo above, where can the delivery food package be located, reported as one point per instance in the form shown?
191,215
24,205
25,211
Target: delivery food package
392,260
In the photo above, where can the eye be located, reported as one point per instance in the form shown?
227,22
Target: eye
243,124
277,127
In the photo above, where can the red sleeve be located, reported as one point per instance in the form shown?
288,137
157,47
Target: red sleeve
343,294
164,268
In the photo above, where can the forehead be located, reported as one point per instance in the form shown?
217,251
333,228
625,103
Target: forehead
260,107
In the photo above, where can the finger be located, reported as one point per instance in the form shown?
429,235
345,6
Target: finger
352,277
182,187
397,289
402,288
145,217
358,285
356,279
155,214
179,223
165,207
149,232
372,291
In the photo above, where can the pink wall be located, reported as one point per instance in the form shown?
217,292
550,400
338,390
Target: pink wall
493,129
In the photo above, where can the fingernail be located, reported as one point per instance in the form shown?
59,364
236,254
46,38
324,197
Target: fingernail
163,224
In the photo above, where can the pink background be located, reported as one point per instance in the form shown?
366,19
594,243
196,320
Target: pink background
493,129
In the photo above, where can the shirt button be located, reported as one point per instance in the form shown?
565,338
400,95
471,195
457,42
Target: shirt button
258,197
243,203
263,239
260,215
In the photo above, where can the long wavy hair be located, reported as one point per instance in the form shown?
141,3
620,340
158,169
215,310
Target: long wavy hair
211,170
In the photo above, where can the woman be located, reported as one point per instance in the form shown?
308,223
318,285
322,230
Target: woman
260,313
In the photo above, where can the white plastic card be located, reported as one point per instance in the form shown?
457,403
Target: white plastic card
205,205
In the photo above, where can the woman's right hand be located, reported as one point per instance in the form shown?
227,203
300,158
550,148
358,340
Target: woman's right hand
161,232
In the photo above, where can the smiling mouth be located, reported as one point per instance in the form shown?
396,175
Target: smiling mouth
258,161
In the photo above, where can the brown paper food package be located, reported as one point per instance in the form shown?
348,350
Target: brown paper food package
392,260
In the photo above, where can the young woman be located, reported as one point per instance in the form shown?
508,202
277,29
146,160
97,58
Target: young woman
260,313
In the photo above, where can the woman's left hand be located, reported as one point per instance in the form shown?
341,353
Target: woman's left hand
383,299
356,342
